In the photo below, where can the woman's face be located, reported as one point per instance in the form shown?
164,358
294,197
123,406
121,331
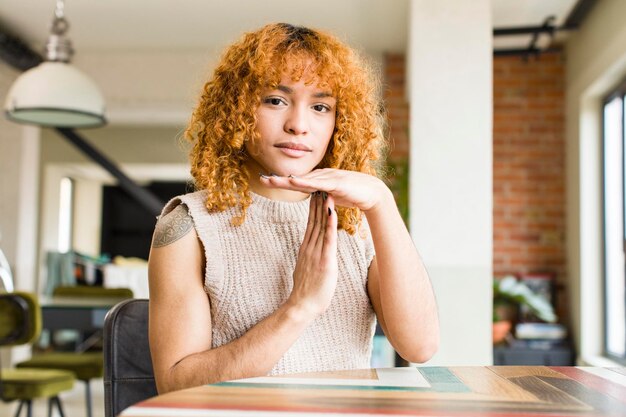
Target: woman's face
295,123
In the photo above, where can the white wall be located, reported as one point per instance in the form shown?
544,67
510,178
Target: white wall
10,151
450,79
147,88
19,162
19,182
596,62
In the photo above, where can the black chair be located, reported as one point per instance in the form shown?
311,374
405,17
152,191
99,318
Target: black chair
128,374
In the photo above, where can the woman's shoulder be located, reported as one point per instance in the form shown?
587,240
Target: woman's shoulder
172,226
189,200
189,210
194,206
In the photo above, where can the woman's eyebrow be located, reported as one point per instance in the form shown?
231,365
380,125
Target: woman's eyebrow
323,94
284,89
289,90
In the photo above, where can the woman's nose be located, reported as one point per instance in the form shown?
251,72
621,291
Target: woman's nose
297,122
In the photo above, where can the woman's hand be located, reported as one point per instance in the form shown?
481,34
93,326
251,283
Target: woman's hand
315,275
348,188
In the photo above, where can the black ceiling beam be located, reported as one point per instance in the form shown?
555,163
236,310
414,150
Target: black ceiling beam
547,27
521,30
142,195
19,56
515,51
579,12
547,24
524,51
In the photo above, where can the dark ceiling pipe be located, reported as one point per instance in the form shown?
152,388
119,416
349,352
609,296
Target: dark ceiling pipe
524,51
575,18
535,31
19,56
547,24
579,12
142,195
515,51
521,30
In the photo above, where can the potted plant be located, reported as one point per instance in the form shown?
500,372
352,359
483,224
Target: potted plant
508,296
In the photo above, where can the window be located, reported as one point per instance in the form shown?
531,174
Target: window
66,198
614,211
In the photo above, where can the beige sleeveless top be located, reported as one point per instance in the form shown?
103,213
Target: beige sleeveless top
249,274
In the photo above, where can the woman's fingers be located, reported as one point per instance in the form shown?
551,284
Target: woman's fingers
317,223
311,222
323,220
349,188
322,183
304,184
317,219
330,235
315,274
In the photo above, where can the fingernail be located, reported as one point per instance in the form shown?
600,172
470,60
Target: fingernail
262,175
273,175
329,211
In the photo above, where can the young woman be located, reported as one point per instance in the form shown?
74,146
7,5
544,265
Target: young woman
292,247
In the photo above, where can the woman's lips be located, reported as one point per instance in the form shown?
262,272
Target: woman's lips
294,150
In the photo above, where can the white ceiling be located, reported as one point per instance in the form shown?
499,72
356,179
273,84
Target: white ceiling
373,25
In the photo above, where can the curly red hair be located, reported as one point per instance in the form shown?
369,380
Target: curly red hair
225,117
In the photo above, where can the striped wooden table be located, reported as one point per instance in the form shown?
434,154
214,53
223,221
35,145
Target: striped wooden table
494,391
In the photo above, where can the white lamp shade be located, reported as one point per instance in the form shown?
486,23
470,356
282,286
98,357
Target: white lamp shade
55,94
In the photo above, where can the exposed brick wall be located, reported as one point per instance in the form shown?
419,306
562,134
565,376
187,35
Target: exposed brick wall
529,165
528,159
398,125
396,105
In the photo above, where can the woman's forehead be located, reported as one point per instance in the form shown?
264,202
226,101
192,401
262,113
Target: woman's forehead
301,69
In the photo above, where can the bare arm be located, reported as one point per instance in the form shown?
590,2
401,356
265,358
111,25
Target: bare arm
180,317
398,284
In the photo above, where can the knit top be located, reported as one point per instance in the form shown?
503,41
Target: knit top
249,274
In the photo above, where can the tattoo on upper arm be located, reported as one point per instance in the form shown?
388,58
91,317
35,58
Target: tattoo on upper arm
172,226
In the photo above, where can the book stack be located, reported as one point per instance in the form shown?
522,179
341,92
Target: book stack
539,335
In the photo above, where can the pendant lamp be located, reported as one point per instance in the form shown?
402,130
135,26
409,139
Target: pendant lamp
55,93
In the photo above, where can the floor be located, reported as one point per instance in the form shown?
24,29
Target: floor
73,402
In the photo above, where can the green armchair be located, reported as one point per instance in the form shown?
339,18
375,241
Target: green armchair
20,323
84,365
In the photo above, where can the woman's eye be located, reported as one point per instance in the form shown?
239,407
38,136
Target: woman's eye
274,101
321,108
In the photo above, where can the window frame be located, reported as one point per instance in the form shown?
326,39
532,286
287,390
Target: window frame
618,91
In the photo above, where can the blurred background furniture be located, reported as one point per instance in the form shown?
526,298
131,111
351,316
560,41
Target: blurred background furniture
20,323
128,373
534,352
6,277
82,308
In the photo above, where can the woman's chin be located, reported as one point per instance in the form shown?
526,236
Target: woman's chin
293,171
